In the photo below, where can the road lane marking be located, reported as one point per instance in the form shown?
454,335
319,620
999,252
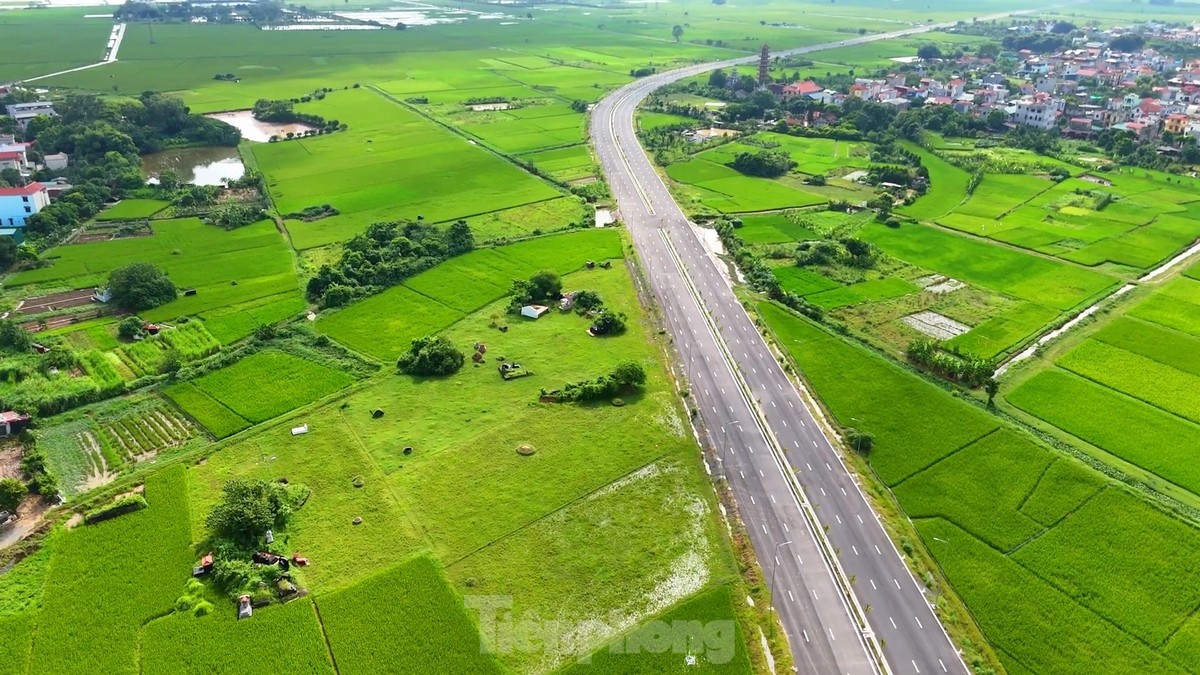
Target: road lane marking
896,582
839,518
814,592
752,500
786,528
823,492
764,527
918,620
877,551
860,520
854,548
918,668
832,637
844,495
791,597
893,622
943,666
773,499
830,468
873,586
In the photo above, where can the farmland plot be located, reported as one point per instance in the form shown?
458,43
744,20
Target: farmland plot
214,416
291,382
146,558
439,635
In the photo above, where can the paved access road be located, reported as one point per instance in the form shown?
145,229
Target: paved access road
843,592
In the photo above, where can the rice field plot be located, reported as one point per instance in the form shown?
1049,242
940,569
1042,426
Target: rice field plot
1046,282
1155,440
947,186
1175,305
439,637
390,164
1141,248
997,194
963,489
102,368
1113,538
722,651
1168,347
728,191
864,291
144,357
210,413
803,281
220,643
1037,626
146,557
821,155
191,341
775,228
132,209
1064,487
384,325
230,324
291,381
567,164
648,120
1155,383
40,41
838,372
545,216
1002,332
515,134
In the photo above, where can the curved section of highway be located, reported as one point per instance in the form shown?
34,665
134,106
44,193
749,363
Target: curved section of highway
843,593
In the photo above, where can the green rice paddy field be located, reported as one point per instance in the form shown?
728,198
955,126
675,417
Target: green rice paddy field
1063,569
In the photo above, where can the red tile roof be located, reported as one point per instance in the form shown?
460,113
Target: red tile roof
32,188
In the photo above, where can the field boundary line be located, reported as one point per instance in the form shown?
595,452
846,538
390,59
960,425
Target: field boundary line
325,635
1036,484
943,458
549,513
477,142
1058,522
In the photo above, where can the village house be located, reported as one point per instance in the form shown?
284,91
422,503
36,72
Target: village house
18,203
22,113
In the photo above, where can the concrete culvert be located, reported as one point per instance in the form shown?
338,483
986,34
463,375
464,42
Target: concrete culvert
376,413
357,521
358,481
408,450
526,450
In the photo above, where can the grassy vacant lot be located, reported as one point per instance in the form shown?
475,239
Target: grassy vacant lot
129,209
1037,558
390,164
269,383
384,325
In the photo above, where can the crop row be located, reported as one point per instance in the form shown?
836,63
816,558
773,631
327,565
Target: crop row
219,420
151,431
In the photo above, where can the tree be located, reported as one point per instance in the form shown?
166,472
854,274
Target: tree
677,32
588,300
628,374
765,163
12,491
608,322
718,79
431,355
459,238
250,507
8,252
992,387
130,327
861,441
996,119
12,337
988,50
929,51
171,363
140,286
1129,42
545,285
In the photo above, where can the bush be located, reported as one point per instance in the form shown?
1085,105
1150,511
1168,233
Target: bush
117,508
626,375
12,491
130,327
250,507
766,163
608,322
431,355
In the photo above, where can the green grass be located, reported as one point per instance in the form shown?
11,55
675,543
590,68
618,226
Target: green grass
219,420
568,163
269,383
441,635
803,281
132,209
1064,486
863,291
45,40
191,340
718,646
1056,285
774,228
146,557
1168,347
947,186
1000,333
384,325
287,638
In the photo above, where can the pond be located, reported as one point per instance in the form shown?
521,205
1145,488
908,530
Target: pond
255,130
201,166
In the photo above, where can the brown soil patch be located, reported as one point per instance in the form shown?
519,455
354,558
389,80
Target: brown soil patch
55,301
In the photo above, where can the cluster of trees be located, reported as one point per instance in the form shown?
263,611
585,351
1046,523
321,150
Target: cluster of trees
234,215
849,251
623,378
764,163
265,12
1124,148
384,255
140,286
281,111
543,287
432,355
37,478
237,524
757,272
968,369
608,322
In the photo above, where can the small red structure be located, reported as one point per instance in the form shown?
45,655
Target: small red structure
299,560
151,328
12,422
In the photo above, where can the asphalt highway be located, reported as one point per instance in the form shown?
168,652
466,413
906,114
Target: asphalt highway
841,588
